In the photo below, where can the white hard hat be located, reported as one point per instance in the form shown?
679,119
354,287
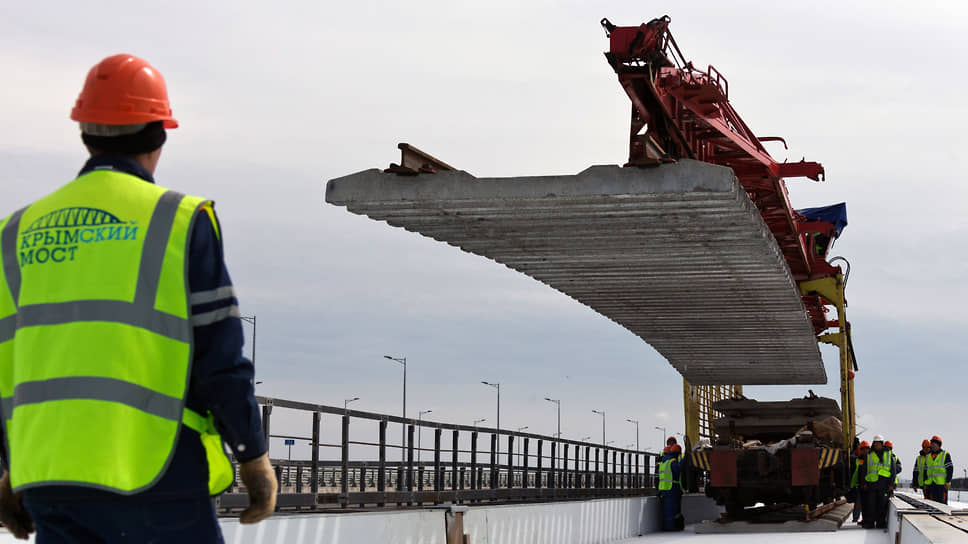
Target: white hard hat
877,438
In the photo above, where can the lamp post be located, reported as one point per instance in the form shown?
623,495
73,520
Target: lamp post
636,432
476,421
498,387
558,402
420,431
520,454
251,320
602,413
347,401
662,442
403,427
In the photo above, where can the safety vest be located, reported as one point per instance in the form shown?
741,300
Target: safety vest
935,471
853,478
878,467
665,476
95,336
894,463
919,468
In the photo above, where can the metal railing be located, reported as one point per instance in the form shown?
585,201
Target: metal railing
466,464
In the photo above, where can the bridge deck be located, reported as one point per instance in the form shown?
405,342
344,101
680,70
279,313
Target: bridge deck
678,255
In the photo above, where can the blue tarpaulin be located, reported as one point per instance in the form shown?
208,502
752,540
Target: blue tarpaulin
835,213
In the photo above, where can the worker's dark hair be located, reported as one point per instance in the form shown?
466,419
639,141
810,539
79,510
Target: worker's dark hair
146,140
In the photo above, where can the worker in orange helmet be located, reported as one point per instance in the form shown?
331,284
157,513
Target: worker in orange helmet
853,494
125,344
938,472
917,479
889,446
670,488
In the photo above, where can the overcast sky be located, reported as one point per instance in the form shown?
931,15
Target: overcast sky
274,100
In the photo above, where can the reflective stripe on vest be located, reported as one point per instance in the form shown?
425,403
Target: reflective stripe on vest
95,335
935,471
878,468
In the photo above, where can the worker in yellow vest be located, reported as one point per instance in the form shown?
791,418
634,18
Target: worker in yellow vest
917,478
889,446
938,472
854,494
121,367
876,476
670,489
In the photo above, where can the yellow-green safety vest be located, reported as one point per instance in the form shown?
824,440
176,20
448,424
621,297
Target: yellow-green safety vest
935,471
919,468
96,336
878,467
665,476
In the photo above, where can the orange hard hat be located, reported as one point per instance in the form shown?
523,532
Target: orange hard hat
864,444
676,448
888,444
925,443
937,439
123,90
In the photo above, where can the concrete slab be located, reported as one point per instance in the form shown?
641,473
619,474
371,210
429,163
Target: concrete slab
829,522
677,254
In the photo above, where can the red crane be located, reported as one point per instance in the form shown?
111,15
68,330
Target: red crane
681,112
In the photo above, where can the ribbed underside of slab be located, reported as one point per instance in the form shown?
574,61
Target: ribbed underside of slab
678,255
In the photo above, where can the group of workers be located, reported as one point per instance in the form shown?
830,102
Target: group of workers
121,367
875,477
933,471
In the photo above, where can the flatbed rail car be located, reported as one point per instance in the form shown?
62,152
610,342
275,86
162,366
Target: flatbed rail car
804,474
774,452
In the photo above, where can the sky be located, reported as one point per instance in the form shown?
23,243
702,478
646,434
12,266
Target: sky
275,100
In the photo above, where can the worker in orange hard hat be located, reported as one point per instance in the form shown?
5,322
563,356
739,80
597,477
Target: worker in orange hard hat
853,494
917,479
889,446
938,472
128,391
670,488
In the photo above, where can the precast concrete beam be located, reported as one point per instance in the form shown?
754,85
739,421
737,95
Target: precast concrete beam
676,254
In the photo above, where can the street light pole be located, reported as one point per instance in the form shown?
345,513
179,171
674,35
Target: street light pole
558,402
662,443
602,413
403,428
347,401
251,320
476,421
498,387
636,432
420,431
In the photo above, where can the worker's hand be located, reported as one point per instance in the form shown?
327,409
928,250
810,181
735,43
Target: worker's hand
947,485
12,513
260,482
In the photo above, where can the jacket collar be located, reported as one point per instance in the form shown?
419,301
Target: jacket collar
118,163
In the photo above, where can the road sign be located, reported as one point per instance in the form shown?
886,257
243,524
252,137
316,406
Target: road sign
290,442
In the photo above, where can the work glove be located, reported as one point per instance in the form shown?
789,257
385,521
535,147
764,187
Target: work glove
12,513
260,482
